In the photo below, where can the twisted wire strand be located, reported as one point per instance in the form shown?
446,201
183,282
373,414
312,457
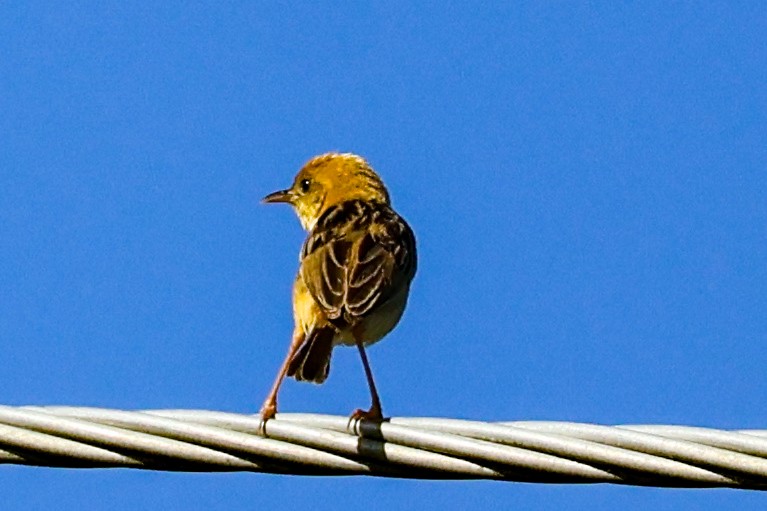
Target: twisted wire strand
425,448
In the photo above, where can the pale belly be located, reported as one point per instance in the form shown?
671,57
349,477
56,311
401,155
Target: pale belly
373,328
378,324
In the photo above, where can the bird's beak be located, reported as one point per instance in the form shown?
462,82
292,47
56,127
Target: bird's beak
280,196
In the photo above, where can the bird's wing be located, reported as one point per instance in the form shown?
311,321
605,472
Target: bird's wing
358,255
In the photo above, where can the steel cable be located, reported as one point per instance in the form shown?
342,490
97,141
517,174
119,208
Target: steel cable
427,448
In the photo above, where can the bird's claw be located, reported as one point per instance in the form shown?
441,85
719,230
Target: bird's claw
374,414
268,411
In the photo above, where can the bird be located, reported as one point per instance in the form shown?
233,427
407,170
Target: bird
356,267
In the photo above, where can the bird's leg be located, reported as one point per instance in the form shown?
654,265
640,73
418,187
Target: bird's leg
269,408
375,412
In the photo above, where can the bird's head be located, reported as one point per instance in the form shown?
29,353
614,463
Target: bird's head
327,180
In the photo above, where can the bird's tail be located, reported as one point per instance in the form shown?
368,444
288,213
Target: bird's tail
312,359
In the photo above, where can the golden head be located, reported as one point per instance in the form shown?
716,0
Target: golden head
327,180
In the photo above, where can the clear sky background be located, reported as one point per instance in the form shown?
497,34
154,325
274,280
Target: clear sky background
587,183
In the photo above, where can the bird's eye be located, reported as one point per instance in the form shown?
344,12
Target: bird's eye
304,185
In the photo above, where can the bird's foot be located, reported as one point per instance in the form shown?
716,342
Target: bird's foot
374,414
268,411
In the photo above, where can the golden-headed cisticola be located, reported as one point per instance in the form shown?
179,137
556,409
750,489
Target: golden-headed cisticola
356,266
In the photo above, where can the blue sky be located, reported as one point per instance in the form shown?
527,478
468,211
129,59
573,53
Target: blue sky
586,182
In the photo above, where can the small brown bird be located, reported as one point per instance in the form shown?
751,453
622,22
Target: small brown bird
355,270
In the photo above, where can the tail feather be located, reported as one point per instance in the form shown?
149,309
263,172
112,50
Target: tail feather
312,360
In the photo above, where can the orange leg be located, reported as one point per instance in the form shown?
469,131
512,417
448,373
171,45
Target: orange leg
375,412
269,408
